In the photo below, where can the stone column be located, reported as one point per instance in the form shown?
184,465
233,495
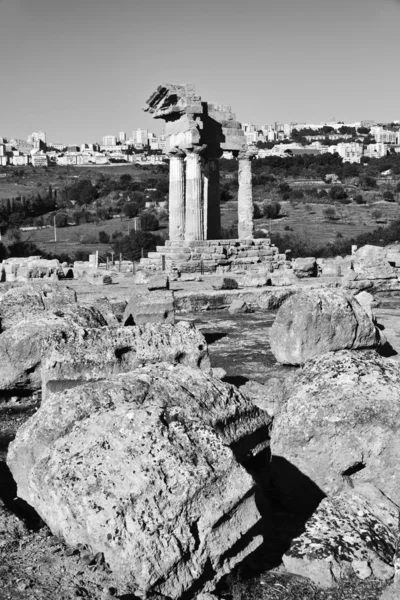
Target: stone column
212,210
176,195
245,195
194,223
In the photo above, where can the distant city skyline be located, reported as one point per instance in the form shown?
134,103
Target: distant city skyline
83,69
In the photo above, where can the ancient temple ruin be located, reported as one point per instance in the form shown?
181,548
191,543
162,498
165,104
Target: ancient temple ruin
197,135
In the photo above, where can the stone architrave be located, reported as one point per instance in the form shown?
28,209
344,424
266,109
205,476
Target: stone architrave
245,195
194,223
176,195
212,211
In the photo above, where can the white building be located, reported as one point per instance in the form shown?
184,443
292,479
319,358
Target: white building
122,136
376,150
39,160
36,136
140,136
109,140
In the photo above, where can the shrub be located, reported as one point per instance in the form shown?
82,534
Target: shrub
388,196
359,199
330,213
271,210
376,214
284,188
81,255
104,237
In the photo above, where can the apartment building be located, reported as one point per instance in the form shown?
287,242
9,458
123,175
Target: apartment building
109,140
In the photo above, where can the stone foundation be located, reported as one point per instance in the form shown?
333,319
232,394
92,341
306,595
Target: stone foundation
215,256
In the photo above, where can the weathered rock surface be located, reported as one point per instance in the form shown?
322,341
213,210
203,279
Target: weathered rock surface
25,301
153,307
79,355
145,467
341,419
305,267
367,301
313,322
344,536
371,262
238,306
23,345
224,283
158,282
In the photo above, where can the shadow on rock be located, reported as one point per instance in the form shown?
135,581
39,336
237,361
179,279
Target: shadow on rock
214,337
21,509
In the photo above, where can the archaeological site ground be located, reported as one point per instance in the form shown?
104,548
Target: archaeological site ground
216,417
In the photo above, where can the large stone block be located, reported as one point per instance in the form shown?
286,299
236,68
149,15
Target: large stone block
314,322
340,422
147,468
77,356
156,307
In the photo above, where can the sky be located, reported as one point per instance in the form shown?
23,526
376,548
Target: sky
81,69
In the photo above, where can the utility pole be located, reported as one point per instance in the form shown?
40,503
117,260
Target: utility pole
55,231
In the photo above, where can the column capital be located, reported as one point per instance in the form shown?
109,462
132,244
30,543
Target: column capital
247,153
195,151
175,153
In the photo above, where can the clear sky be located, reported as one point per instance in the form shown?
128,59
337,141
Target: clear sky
81,69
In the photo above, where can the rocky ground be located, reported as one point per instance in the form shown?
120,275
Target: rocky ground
35,565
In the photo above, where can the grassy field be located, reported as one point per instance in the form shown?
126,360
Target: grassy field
30,181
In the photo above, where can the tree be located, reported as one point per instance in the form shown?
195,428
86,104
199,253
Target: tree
338,192
131,245
271,210
257,214
61,219
131,209
149,221
368,183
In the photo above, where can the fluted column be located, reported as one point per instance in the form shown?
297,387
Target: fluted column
212,209
245,195
176,195
194,223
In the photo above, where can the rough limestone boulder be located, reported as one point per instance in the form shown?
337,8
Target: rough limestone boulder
238,306
22,346
146,468
345,536
371,262
224,283
158,282
153,307
341,420
26,301
305,267
79,355
313,322
367,302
